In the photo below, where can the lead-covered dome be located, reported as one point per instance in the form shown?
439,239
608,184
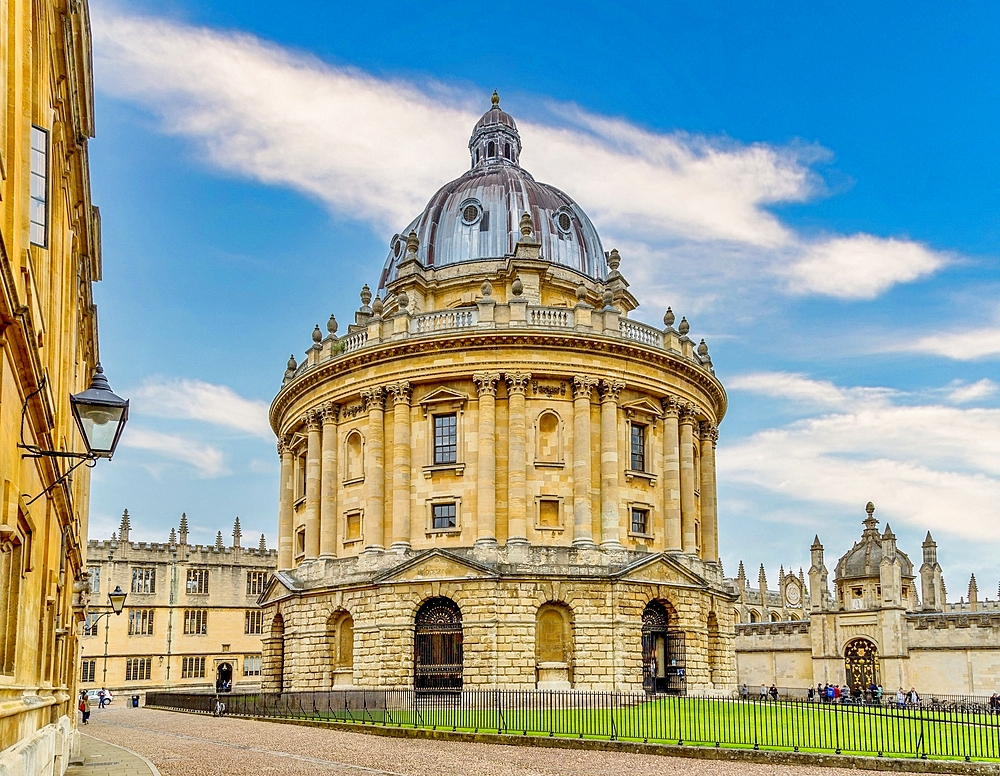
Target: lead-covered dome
477,216
863,559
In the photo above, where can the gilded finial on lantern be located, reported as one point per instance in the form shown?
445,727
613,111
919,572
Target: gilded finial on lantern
495,99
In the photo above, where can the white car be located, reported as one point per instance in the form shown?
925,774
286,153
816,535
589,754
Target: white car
95,698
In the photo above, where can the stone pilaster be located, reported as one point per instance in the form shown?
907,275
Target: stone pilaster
314,466
328,483
689,508
374,517
709,502
286,496
610,469
401,393
671,474
517,491
486,485
583,529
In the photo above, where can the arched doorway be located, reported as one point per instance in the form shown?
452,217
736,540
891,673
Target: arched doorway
662,652
437,647
276,646
224,677
861,664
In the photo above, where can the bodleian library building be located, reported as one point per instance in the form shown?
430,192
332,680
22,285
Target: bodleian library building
190,621
497,477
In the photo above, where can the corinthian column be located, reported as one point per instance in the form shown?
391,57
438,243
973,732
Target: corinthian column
671,474
610,508
374,529
689,509
314,465
709,508
583,528
286,497
486,485
401,393
517,461
328,484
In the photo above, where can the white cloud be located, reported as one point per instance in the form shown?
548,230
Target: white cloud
929,466
207,460
860,266
197,400
799,388
963,393
375,149
967,345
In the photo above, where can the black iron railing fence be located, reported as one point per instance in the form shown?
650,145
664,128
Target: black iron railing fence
963,727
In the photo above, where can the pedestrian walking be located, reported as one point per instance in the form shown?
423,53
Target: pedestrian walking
745,691
84,707
773,692
763,692
900,698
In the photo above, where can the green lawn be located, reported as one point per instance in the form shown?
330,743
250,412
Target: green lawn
704,722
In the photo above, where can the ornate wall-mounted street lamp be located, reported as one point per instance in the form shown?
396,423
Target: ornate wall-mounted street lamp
101,416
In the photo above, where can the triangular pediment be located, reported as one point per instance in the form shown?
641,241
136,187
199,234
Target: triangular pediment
644,407
279,585
443,396
662,570
436,565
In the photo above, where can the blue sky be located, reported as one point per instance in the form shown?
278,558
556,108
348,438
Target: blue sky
813,186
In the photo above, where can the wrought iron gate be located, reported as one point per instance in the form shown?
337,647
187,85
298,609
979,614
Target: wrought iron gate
861,663
663,669
437,647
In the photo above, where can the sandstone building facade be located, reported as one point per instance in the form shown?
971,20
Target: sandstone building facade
499,477
49,258
884,622
191,619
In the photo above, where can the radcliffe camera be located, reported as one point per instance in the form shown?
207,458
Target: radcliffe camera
539,390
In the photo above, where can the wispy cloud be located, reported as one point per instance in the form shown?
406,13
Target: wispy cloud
207,461
963,393
375,148
800,388
198,400
930,466
960,345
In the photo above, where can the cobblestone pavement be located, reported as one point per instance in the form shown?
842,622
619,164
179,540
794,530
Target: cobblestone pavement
196,745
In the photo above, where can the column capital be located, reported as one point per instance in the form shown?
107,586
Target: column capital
671,406
285,444
401,391
517,382
313,419
611,389
486,382
330,412
710,431
373,398
583,385
689,414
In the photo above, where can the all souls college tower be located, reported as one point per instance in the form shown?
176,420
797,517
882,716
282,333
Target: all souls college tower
497,476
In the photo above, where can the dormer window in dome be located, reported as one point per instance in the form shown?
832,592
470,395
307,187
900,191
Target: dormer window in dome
564,221
471,211
397,246
491,149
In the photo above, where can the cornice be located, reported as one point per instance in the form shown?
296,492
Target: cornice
463,342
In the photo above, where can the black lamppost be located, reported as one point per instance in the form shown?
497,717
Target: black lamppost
117,600
100,415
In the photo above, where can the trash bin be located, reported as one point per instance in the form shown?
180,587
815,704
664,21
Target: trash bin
135,701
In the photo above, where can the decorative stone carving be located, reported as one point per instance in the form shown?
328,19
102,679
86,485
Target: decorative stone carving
671,406
710,431
486,382
373,398
331,412
517,382
610,389
583,385
401,391
313,419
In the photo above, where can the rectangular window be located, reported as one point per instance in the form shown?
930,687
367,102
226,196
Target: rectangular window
443,516
89,670
39,215
548,513
10,589
445,438
638,457
254,621
140,622
255,582
300,542
95,578
301,483
640,521
193,668
353,532
195,622
197,582
144,580
251,665
90,625
137,669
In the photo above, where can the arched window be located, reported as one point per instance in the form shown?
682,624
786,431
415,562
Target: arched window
737,615
775,617
354,457
437,646
491,149
477,156
548,447
754,617
506,150
554,646
340,638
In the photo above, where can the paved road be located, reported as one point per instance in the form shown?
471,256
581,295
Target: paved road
195,745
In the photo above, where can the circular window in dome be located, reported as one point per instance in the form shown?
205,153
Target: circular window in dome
471,212
397,246
564,222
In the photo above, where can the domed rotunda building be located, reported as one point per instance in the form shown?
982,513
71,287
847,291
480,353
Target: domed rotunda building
497,477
